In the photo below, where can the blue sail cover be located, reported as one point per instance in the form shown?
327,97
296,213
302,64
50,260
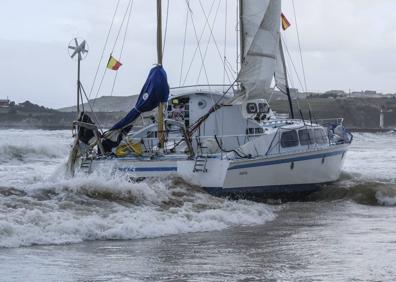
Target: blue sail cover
154,91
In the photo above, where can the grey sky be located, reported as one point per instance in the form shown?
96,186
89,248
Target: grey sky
347,44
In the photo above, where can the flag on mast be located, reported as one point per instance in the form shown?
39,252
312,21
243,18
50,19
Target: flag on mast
285,22
113,64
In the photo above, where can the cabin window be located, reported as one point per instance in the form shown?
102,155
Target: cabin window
306,136
263,108
251,108
289,139
320,136
252,131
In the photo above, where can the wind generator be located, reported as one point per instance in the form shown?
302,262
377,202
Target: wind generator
80,49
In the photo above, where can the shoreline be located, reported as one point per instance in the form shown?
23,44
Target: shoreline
62,127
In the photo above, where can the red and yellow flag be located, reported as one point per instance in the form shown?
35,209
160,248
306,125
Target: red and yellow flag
285,22
113,64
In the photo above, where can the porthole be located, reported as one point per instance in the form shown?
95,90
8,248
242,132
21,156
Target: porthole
202,104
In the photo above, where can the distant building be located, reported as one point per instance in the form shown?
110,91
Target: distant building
370,93
334,93
366,94
4,103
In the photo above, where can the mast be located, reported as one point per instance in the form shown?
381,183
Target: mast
160,119
78,87
241,33
286,80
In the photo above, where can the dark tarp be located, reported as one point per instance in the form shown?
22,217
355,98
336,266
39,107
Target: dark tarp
154,91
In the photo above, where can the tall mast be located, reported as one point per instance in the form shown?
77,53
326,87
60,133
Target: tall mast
160,119
241,33
159,32
286,80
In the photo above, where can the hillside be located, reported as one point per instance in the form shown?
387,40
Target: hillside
108,104
358,113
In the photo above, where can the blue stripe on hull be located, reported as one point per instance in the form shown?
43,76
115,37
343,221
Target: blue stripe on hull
297,159
264,190
147,169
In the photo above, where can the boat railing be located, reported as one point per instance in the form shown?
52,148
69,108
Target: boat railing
201,145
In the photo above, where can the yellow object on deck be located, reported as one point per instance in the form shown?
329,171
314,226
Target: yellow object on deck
130,147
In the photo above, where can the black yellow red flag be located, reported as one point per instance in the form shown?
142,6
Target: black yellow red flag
285,22
113,64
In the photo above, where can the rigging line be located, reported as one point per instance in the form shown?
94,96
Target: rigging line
199,47
105,71
166,27
122,24
291,61
100,86
207,44
200,38
237,36
184,46
122,46
301,58
225,41
95,117
214,39
104,48
230,67
294,68
204,57
299,46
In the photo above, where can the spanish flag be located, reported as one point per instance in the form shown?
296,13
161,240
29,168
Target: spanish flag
113,64
285,22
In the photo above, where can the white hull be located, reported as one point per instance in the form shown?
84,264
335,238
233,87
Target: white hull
275,174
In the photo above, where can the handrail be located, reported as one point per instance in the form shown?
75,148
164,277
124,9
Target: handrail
95,130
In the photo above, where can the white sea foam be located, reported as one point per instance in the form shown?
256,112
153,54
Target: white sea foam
32,145
372,157
44,207
386,198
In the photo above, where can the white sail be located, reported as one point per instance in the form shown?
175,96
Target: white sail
280,70
251,16
259,64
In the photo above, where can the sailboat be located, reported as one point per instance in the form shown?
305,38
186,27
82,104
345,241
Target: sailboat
256,152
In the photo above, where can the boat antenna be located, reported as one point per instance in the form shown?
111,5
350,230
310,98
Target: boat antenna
81,50
160,119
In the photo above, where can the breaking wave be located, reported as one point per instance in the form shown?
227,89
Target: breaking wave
96,208
366,192
23,145
39,206
369,176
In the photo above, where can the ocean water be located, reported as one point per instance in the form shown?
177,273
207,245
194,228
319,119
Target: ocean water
99,228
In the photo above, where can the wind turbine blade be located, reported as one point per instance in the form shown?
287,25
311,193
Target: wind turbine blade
74,53
75,40
72,47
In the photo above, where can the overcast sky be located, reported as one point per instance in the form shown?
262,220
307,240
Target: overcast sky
347,44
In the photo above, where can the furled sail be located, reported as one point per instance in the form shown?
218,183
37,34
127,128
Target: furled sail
280,71
259,63
154,91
